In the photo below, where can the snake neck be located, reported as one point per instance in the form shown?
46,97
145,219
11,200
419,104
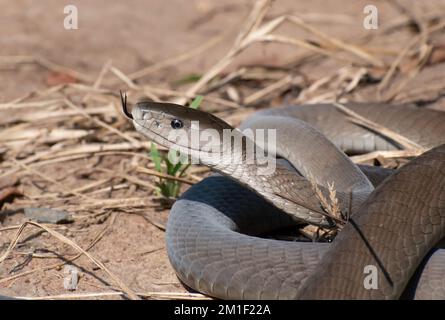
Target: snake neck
249,164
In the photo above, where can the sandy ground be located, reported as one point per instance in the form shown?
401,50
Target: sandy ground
133,35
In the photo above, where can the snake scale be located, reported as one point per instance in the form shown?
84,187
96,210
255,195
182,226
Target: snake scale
213,230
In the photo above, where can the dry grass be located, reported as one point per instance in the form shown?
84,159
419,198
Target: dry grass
82,120
332,210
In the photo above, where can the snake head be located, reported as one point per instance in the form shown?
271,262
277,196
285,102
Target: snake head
178,127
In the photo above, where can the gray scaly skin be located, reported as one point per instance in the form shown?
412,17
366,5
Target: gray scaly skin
211,230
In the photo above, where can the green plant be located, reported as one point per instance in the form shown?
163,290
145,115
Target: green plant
196,102
167,187
190,78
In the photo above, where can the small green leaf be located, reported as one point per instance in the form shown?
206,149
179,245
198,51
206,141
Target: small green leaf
193,77
176,168
196,102
156,157
169,166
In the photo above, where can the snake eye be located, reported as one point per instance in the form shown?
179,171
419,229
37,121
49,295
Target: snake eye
176,124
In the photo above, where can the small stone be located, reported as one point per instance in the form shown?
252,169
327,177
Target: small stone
47,215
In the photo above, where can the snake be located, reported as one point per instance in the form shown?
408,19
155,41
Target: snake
392,221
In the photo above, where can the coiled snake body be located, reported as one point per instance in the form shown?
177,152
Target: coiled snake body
394,229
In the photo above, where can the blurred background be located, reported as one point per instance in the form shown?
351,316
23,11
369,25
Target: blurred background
138,34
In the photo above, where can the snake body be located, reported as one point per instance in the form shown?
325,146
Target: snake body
212,231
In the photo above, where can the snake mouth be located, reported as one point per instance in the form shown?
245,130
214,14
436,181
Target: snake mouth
151,134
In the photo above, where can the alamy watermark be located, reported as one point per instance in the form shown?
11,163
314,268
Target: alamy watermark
370,281
230,147
371,20
71,21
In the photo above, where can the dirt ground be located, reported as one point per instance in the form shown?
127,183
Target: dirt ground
38,54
